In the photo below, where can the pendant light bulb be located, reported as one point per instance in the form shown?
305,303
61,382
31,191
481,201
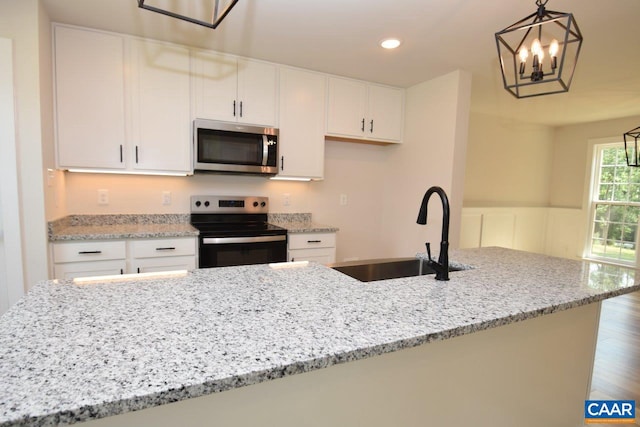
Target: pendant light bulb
553,48
536,48
524,54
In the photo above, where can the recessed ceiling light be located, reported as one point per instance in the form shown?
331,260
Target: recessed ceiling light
390,43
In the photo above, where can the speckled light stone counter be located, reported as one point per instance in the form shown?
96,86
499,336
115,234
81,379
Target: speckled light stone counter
73,352
299,223
101,227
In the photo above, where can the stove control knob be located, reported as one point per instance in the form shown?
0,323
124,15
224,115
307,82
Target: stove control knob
206,203
198,203
255,204
263,204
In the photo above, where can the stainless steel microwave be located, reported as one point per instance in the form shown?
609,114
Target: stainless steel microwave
234,148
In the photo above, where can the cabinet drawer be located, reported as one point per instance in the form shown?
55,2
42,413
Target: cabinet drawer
163,247
88,251
312,240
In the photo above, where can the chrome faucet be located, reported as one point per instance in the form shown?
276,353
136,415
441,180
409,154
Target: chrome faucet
442,266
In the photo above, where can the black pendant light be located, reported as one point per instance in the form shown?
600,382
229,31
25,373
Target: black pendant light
220,9
631,147
539,53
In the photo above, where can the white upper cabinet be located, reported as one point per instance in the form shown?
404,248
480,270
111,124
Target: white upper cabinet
234,89
90,99
363,110
302,123
385,113
121,103
160,107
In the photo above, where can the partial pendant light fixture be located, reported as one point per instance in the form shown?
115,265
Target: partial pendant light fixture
539,53
631,147
169,8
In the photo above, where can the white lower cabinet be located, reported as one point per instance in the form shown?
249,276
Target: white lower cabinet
112,257
318,247
162,255
89,258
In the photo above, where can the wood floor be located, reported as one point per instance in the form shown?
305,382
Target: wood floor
616,372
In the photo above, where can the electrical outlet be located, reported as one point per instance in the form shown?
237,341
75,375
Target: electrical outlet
166,197
286,199
343,200
103,197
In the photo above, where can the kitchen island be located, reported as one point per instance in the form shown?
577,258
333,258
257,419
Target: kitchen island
509,342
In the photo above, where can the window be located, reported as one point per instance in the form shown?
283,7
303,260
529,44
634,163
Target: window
615,207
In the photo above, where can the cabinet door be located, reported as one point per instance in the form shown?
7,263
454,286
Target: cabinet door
321,255
346,109
385,113
215,86
161,119
302,121
89,269
89,105
257,93
174,263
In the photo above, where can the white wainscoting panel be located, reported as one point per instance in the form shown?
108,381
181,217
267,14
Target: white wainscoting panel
552,231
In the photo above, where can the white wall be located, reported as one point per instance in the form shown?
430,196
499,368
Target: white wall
21,21
509,163
435,133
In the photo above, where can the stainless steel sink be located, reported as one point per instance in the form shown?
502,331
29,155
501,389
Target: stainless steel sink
381,269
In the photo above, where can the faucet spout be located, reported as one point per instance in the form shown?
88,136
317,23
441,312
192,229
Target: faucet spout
442,266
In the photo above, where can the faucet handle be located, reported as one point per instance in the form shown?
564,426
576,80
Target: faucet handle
428,245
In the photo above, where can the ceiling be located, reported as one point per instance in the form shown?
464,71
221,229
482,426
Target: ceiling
439,36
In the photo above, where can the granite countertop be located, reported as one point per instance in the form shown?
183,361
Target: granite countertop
147,226
104,227
299,223
71,352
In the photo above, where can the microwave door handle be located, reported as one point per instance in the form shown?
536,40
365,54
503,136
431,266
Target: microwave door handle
265,150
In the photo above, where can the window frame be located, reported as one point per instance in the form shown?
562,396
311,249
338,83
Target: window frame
594,201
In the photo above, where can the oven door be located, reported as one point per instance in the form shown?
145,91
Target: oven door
228,251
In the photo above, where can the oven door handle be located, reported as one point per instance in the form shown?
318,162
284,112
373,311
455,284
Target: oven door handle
255,239
265,150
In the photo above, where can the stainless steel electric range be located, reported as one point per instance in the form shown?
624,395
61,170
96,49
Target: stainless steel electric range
234,231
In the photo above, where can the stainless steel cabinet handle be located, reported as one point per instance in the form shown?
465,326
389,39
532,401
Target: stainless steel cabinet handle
227,240
136,154
121,159
314,241
371,126
234,108
282,163
89,252
363,124
166,249
240,108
